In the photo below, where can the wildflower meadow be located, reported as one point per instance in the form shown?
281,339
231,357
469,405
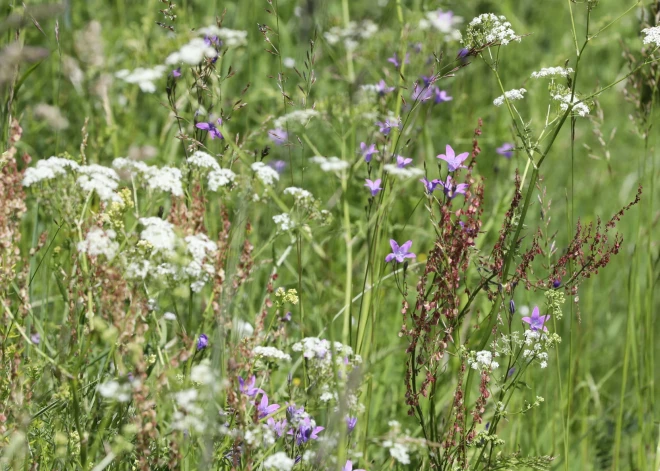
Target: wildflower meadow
329,235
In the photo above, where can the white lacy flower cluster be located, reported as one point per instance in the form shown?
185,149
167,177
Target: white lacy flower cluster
201,248
97,178
116,391
536,341
143,77
260,435
396,443
443,21
320,353
564,99
511,95
218,177
403,172
283,222
280,461
229,37
351,34
192,53
270,353
652,36
188,415
482,360
266,174
330,164
167,179
489,30
99,242
302,197
552,72
301,117
162,261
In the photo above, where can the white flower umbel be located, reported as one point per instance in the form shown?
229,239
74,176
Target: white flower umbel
443,21
143,77
298,116
283,222
300,195
159,233
489,30
266,174
167,179
279,462
271,353
192,53
220,178
48,169
200,248
403,172
99,242
652,36
511,95
202,160
330,164
564,99
229,37
115,391
552,72
482,359
102,180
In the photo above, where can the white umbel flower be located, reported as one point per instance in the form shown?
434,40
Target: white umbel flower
297,116
266,174
279,462
483,359
99,242
511,95
48,169
159,233
403,172
103,180
220,177
271,353
202,160
564,99
652,36
192,53
143,77
330,164
552,72
229,37
283,222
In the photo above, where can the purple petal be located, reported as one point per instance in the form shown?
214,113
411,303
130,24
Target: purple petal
394,245
406,246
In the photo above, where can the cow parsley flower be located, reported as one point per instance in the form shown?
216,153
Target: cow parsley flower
102,180
266,174
99,242
443,21
203,160
271,353
652,36
298,116
229,37
564,99
511,95
220,177
330,164
279,462
301,196
159,233
283,222
405,172
482,359
48,169
552,72
192,53
167,179
489,30
143,77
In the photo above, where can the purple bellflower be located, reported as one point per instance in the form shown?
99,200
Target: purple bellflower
277,426
506,150
452,190
176,73
368,151
536,321
351,422
349,467
382,88
430,186
400,253
248,387
402,161
374,186
278,136
210,127
306,431
202,342
386,126
441,96
453,161
264,409
277,165
394,60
